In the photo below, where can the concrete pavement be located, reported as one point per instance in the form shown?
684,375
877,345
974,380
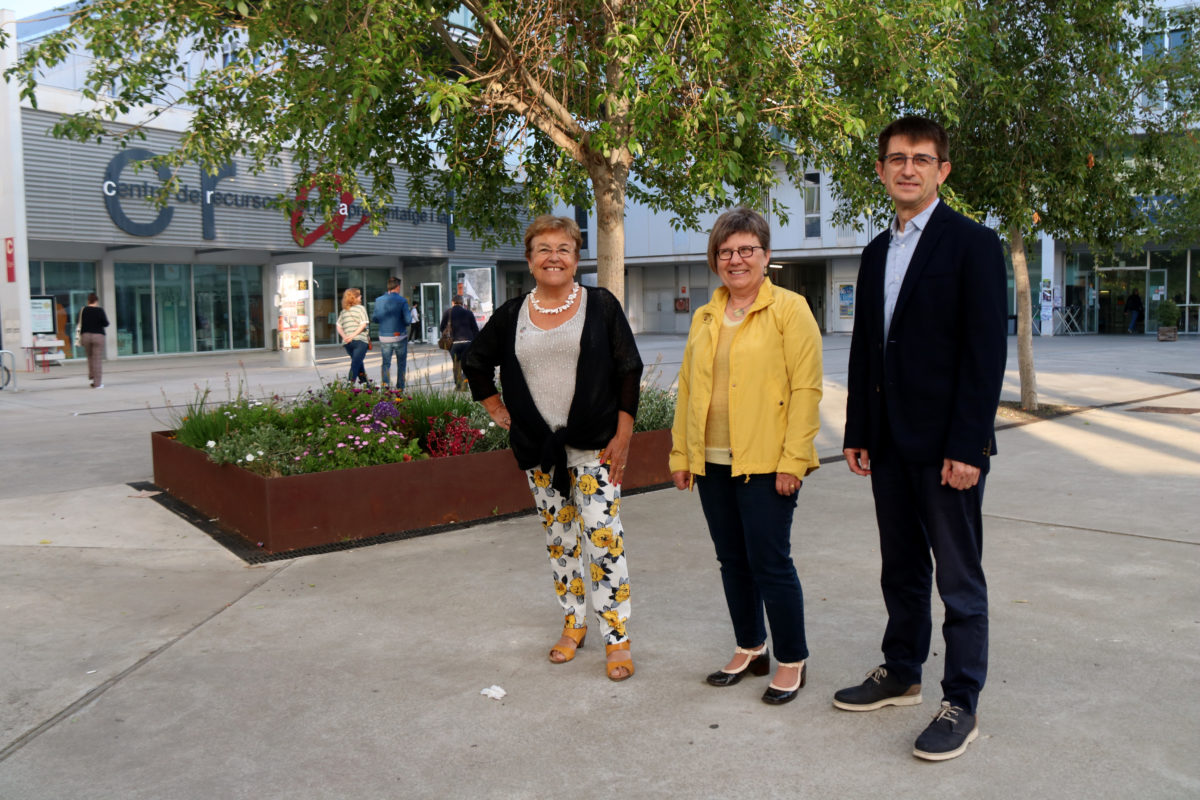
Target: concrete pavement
139,659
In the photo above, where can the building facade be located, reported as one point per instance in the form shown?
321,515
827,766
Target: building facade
197,275
1073,293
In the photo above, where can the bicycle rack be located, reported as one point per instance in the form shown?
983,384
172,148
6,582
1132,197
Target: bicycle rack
12,366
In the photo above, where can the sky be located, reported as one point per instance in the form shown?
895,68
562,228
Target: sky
29,8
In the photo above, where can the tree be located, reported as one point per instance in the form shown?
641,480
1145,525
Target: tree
495,108
1068,125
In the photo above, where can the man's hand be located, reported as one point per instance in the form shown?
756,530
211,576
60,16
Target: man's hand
859,460
959,475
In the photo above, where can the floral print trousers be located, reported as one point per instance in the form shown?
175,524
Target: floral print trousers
593,509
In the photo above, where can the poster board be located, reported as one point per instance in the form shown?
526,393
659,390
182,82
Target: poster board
41,315
293,302
845,295
475,286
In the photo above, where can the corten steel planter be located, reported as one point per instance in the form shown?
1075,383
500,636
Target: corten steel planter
276,515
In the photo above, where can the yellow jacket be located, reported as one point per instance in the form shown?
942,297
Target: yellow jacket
774,391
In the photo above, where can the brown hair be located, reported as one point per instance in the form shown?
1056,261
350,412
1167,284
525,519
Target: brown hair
916,129
92,298
548,222
737,220
351,298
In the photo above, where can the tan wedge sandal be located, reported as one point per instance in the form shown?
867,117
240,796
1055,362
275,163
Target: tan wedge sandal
566,649
611,667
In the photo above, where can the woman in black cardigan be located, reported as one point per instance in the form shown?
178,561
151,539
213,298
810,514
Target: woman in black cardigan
572,442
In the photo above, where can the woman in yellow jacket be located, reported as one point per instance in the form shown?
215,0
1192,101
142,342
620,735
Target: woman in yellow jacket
745,420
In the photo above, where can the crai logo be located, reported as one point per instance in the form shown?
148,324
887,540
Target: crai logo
334,227
209,196
114,189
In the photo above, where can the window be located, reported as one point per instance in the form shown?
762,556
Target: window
812,205
246,305
173,308
211,287
581,219
135,309
69,283
1156,44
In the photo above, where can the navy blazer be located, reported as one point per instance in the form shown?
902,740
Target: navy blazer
933,391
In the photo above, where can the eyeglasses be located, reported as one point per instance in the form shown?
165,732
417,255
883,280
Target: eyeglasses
919,160
561,252
745,251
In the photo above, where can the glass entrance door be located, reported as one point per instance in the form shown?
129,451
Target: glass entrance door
1156,292
1080,302
431,309
1114,286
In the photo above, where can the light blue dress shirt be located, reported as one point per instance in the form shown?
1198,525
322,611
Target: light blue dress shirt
901,246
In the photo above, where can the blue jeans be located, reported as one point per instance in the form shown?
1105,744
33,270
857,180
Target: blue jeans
1133,318
400,351
929,533
358,351
751,527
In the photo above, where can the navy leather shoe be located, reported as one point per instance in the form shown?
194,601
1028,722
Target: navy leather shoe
948,735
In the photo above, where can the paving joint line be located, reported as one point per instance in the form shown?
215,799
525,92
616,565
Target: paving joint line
1044,524
96,692
1081,409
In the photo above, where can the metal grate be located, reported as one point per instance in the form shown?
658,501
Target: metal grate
253,555
1164,410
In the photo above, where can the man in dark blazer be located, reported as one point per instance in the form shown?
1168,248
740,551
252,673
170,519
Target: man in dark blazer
926,366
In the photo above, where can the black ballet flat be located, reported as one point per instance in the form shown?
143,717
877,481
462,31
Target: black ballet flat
757,665
777,697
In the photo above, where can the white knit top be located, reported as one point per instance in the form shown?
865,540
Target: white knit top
549,360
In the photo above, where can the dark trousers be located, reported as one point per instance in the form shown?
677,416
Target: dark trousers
918,517
456,353
751,528
357,351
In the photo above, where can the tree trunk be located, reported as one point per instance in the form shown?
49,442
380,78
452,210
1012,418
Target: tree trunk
608,183
1016,241
609,165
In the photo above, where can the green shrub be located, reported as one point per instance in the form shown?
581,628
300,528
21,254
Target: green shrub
428,402
656,409
1168,314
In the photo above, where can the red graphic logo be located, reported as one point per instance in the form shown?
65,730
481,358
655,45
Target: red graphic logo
334,226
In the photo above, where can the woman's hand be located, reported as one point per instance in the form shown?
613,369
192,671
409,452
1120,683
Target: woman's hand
616,452
496,409
498,412
682,479
786,484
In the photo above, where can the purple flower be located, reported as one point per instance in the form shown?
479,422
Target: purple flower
385,409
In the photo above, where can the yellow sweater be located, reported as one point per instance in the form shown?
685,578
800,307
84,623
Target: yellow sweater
775,377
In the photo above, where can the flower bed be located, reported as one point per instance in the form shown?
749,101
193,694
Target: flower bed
279,514
340,464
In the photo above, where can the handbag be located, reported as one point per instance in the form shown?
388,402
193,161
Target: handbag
444,341
78,340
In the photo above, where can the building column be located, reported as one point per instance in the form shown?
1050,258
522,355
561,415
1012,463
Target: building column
1051,284
14,236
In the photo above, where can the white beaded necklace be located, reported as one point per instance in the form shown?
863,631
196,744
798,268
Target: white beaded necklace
570,301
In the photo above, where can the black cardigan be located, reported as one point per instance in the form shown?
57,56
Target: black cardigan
607,381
